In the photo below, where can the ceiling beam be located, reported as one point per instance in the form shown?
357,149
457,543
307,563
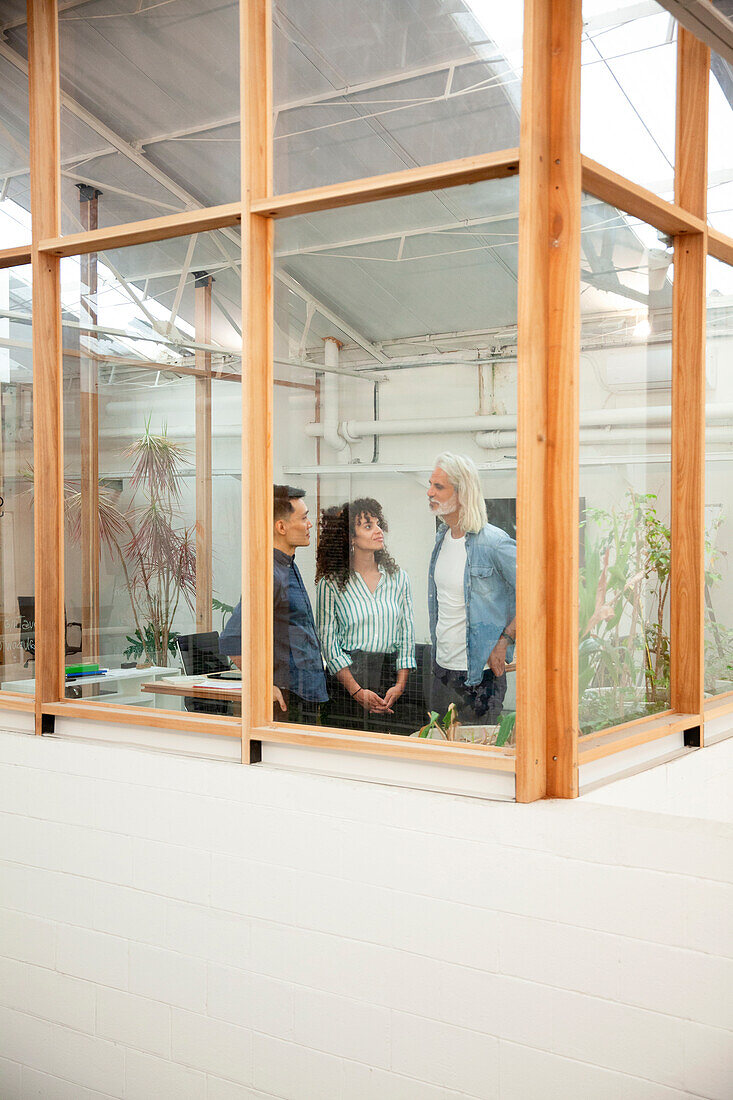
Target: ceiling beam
102,130
706,23
329,315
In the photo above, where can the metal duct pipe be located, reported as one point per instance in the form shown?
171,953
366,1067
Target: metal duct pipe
330,423
354,430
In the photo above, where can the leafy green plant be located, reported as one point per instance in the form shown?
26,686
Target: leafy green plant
506,727
225,608
624,649
624,588
159,558
444,726
139,645
157,553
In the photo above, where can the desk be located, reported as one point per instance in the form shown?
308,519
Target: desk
124,685
196,687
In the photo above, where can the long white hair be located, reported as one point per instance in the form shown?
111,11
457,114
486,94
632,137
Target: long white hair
464,478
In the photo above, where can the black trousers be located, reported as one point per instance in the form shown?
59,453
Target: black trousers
300,712
475,706
376,672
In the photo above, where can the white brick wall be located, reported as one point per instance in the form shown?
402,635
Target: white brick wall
182,928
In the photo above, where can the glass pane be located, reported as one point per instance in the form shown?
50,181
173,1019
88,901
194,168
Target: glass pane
15,198
17,581
720,146
628,90
718,480
151,116
624,508
401,315
152,454
361,89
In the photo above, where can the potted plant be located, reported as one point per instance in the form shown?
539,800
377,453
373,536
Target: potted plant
157,553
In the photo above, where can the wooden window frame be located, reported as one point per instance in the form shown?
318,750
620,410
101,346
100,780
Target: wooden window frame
553,175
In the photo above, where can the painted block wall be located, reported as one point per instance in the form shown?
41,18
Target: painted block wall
698,785
185,928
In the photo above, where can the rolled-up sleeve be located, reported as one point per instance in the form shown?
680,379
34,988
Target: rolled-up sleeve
328,628
406,644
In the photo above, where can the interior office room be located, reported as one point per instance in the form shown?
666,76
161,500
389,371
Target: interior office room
283,288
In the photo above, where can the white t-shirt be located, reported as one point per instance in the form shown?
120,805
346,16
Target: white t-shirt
450,634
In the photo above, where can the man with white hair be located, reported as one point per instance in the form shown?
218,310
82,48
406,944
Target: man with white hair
471,596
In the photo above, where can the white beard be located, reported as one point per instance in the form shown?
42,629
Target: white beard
446,507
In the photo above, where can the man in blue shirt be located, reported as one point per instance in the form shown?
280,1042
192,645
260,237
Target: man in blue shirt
471,596
299,682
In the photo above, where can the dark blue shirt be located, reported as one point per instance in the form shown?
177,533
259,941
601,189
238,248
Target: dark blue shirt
297,664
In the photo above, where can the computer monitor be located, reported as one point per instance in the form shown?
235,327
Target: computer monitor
200,653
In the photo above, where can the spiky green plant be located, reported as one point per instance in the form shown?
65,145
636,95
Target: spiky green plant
161,549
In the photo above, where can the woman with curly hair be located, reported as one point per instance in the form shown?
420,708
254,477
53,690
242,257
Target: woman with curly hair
364,619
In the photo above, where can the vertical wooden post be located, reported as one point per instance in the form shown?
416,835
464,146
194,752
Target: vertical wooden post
687,590
257,237
549,339
43,56
89,437
204,568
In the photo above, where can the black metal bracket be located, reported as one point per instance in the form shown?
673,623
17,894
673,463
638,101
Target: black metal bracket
255,752
87,193
693,738
202,278
48,723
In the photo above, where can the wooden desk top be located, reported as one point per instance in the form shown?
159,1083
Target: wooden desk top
195,687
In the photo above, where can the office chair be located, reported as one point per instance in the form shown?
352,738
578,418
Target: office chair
200,656
27,612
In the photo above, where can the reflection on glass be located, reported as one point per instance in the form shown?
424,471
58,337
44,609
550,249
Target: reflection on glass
361,89
395,415
625,401
17,582
15,199
720,145
718,474
159,87
152,438
628,88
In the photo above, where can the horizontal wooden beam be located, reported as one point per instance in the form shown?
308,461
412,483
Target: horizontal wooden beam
638,733
636,200
174,720
712,708
444,752
720,246
15,257
410,181
153,229
16,700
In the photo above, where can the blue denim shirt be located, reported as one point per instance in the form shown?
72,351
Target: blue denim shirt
297,664
489,588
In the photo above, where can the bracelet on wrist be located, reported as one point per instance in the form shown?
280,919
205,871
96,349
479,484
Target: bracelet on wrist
508,637
355,693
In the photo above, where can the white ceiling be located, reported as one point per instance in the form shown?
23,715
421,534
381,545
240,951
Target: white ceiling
150,119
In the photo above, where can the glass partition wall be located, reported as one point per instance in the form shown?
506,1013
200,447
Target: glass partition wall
363,412
17,651
718,471
152,469
625,462
17,582
384,322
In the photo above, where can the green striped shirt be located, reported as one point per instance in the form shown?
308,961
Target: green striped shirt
374,622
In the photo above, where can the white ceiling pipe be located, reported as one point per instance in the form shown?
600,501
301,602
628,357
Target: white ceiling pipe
354,430
331,434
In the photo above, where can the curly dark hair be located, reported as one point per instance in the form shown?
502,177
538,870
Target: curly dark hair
337,528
